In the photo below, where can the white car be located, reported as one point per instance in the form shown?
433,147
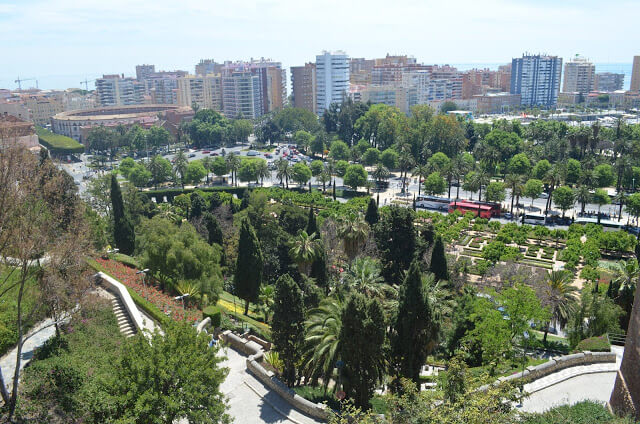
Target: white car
252,153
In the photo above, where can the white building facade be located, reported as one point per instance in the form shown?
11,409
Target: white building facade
536,79
332,79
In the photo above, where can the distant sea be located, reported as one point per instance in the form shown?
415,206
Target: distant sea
73,80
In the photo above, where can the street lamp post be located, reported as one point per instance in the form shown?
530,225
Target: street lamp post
144,277
182,298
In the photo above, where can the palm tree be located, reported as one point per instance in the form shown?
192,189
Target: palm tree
420,171
380,173
266,300
405,162
262,171
324,177
284,171
583,195
353,230
233,163
207,162
620,198
364,277
560,297
304,249
481,178
321,342
514,182
623,285
180,166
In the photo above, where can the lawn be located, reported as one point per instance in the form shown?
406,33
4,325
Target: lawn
9,308
57,143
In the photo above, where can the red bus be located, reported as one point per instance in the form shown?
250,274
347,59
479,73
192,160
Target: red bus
485,210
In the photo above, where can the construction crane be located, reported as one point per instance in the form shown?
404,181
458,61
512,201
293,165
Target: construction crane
20,81
86,83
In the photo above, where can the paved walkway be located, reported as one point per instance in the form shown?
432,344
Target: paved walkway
45,330
250,401
571,385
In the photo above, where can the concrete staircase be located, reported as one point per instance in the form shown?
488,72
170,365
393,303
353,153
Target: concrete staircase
124,322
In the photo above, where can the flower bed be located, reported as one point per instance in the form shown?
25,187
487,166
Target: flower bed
165,303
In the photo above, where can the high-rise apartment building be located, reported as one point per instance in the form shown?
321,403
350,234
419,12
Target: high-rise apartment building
208,66
143,71
579,74
203,91
271,77
162,87
608,81
115,90
481,81
537,79
303,86
242,95
332,79
360,70
635,75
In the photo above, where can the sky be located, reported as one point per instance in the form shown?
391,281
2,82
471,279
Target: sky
62,41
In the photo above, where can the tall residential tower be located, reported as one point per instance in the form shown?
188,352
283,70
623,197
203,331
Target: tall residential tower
536,79
332,79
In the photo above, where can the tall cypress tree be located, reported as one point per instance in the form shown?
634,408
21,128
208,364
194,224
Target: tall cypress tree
319,268
372,213
213,228
123,231
439,261
361,347
312,225
287,326
414,329
248,276
198,205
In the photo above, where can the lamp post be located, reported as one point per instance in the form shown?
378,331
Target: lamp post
144,277
182,298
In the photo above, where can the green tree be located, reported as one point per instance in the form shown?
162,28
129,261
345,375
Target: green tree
219,166
262,170
123,231
434,184
233,165
355,176
186,379
371,216
353,230
241,130
248,273
287,326
284,171
160,169
317,166
415,329
301,173
438,265
389,158
495,192
339,150
318,145
180,166
341,167
395,237
514,183
214,231
312,225
603,175
560,297
563,198
633,205
126,166
533,189
304,249
519,164
361,347
600,197
364,277
139,175
541,169
302,139
370,156
194,173
574,169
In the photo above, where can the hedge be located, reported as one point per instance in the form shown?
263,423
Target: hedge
214,313
594,344
57,143
170,193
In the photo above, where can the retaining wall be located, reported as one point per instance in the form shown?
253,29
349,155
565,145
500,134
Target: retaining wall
253,348
119,290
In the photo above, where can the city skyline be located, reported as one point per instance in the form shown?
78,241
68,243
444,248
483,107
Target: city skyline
64,39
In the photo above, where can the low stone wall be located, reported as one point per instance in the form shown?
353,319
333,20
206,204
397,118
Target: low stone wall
205,323
558,364
253,348
119,290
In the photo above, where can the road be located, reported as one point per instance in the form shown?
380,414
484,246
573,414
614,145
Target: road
80,169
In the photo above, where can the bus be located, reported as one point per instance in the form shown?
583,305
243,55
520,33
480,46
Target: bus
485,210
607,224
432,202
533,219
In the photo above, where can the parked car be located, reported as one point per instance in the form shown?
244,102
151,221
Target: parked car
206,152
213,154
252,153
268,155
192,155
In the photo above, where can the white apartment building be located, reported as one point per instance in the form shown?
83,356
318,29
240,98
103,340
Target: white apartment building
579,76
332,79
203,91
537,79
242,95
114,90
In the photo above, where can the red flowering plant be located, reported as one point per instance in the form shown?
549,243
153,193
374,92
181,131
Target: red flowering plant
149,289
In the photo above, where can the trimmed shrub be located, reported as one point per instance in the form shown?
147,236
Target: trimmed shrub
594,344
214,313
